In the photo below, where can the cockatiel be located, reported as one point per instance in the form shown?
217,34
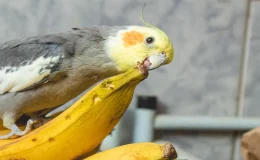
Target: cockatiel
47,71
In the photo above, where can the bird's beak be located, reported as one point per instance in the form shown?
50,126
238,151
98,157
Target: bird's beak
155,61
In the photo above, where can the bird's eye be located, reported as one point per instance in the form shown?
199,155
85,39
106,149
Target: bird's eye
149,40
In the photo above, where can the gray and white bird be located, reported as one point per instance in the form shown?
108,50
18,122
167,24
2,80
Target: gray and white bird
46,71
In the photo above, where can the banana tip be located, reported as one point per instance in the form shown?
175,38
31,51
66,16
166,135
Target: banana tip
170,152
143,69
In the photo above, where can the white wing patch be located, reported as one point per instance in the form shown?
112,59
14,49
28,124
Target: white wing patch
18,78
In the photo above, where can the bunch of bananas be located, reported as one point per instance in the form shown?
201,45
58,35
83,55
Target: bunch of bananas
79,130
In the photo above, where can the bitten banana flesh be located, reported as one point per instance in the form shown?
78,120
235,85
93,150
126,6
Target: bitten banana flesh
82,127
138,151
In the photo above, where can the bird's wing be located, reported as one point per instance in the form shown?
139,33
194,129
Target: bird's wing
28,63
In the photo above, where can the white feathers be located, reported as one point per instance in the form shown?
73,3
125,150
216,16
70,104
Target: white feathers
18,78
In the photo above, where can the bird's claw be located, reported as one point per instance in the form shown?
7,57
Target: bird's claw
40,121
15,131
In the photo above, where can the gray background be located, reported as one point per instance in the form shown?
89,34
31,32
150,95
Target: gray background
212,39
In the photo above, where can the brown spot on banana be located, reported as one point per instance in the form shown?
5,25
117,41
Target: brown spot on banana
51,139
67,117
96,99
109,85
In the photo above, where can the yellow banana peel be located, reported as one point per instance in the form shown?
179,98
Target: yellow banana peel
138,151
79,129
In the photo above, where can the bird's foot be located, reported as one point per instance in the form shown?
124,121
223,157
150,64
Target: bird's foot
15,131
40,121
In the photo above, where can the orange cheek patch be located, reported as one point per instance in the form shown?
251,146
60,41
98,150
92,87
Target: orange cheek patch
131,38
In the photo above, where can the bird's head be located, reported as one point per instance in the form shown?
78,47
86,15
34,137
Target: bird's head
140,44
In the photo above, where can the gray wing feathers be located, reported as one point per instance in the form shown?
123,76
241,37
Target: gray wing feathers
17,52
28,63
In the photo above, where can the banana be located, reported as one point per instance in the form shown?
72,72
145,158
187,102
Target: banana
138,151
82,127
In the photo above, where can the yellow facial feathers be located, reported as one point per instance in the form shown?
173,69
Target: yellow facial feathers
130,46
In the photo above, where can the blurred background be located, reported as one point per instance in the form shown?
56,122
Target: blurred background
214,73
